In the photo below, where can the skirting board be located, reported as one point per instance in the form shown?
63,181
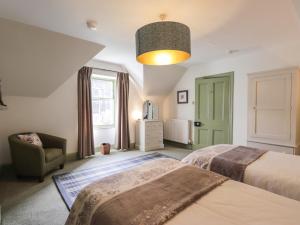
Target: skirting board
72,156
179,145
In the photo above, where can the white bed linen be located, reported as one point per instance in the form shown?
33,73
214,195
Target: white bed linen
235,203
275,172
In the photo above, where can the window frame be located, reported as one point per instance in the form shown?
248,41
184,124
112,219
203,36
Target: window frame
113,80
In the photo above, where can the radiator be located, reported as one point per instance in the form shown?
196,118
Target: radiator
178,130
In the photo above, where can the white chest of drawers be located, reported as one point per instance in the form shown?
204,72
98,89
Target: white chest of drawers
149,135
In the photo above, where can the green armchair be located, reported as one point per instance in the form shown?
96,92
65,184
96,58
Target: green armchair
33,160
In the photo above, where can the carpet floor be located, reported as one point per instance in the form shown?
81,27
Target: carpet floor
27,202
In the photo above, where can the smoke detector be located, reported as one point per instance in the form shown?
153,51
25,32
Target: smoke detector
233,51
92,25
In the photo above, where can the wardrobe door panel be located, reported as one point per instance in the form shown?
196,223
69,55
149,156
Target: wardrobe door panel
270,109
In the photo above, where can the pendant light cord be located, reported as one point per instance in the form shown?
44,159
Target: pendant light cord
163,16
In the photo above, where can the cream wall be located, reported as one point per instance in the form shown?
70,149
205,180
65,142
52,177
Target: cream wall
135,107
241,66
55,114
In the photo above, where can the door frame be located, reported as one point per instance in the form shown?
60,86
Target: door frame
230,75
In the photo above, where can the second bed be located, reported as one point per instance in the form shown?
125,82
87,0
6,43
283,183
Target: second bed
275,172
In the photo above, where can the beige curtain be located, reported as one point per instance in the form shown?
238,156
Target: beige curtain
85,122
122,138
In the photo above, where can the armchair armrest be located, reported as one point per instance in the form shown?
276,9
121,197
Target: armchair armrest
50,141
27,158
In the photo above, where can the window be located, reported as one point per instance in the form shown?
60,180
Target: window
103,100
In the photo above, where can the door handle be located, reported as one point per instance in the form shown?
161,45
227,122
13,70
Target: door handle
197,124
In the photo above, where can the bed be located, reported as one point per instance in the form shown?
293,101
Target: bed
275,172
222,201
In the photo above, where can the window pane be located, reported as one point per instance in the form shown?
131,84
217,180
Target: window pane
104,115
102,88
95,106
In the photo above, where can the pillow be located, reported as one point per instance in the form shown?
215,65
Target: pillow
32,138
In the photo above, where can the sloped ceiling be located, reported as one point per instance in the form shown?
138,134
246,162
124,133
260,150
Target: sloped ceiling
160,80
217,26
35,61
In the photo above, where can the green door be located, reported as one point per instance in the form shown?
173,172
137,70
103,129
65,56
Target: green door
213,105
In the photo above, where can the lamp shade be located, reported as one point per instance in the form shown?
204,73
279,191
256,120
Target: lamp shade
163,43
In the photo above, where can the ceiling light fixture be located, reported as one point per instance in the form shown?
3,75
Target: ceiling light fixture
163,43
92,24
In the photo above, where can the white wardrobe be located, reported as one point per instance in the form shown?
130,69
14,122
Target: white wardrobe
274,110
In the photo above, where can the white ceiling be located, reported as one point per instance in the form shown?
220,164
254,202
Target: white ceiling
217,26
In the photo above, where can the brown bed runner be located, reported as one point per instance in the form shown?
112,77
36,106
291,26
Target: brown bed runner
233,163
159,200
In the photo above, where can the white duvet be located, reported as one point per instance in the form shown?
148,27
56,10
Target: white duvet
235,203
275,172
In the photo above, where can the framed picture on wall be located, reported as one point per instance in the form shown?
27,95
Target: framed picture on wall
182,97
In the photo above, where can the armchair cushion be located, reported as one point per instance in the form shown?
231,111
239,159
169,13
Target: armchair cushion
31,138
50,141
52,153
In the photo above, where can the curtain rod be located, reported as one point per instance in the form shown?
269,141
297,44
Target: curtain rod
130,77
107,70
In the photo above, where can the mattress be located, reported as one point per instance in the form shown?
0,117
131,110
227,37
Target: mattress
275,172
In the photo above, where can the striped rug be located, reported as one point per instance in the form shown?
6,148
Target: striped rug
70,184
